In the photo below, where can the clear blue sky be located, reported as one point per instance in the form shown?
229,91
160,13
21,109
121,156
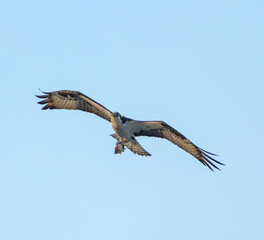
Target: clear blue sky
197,65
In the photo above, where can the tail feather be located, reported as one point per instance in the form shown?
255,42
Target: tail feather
133,145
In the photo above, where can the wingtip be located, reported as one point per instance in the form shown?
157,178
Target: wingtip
43,96
45,101
213,154
206,161
43,91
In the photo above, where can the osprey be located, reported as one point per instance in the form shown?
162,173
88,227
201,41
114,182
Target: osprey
126,129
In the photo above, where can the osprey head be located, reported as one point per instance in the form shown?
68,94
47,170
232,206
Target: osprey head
115,114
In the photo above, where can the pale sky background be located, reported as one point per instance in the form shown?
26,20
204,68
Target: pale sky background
197,65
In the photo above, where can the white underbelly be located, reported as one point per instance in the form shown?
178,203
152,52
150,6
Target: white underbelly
124,133
122,130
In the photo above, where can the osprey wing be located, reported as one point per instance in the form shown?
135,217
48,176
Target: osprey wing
73,100
163,130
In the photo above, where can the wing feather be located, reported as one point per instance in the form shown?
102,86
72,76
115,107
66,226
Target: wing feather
73,100
163,130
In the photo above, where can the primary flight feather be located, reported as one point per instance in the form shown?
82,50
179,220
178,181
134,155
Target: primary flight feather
126,129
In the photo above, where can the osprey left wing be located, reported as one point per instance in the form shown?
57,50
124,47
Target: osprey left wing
73,100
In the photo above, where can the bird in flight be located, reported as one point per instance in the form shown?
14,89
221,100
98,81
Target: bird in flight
126,129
